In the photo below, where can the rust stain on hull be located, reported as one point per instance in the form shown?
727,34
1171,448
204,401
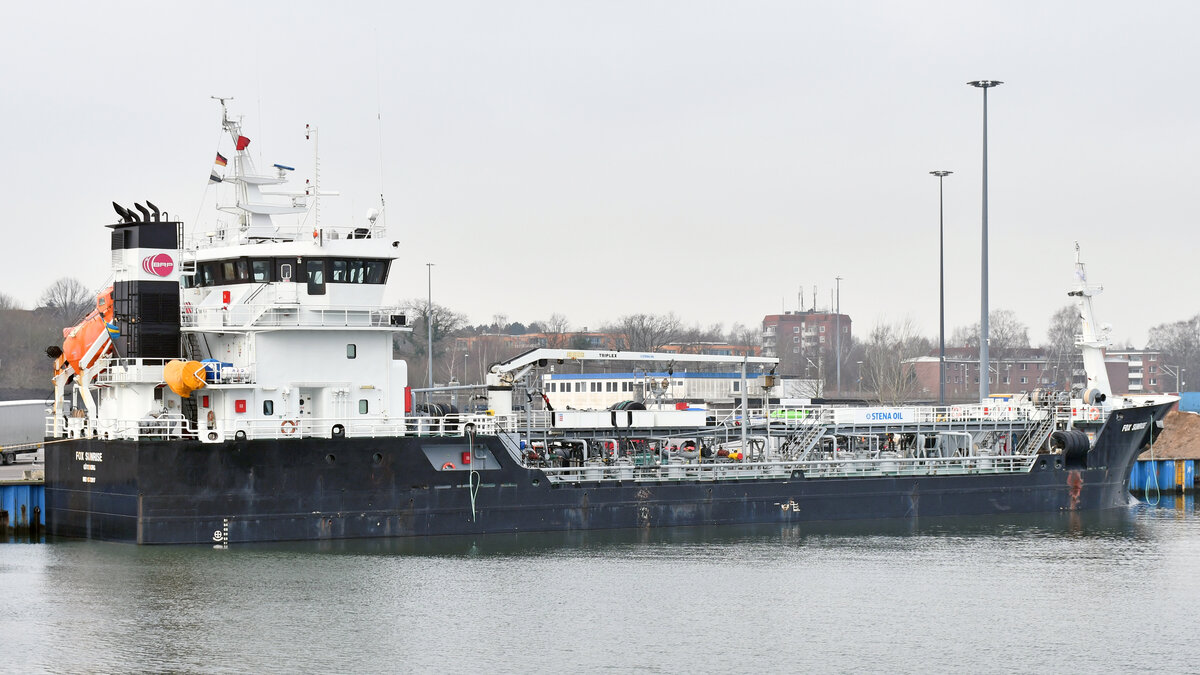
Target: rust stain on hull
1075,482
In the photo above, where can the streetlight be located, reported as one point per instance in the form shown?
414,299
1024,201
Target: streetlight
941,289
429,322
983,320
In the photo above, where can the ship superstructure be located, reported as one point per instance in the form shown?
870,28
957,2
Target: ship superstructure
252,329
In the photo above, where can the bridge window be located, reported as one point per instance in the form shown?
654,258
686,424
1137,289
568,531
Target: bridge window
260,270
227,272
376,271
208,274
316,276
243,269
339,272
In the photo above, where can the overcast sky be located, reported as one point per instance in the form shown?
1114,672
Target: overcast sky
598,159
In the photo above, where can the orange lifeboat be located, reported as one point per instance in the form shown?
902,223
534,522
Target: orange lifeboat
88,340
184,377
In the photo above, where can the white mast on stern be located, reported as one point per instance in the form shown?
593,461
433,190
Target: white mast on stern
1092,338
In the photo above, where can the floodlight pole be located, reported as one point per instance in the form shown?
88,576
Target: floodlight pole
941,289
984,372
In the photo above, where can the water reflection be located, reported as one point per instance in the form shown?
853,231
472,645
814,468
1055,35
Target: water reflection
1009,593
1114,523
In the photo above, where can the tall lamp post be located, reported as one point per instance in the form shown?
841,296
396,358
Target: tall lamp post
429,323
941,289
838,338
983,319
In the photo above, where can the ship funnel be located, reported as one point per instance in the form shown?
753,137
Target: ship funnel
154,209
122,212
145,213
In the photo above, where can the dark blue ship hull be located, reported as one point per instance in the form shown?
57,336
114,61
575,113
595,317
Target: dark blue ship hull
175,492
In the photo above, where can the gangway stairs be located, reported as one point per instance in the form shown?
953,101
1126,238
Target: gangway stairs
802,440
1037,435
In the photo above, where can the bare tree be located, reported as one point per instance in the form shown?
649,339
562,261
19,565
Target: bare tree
888,368
1060,344
1006,334
742,335
444,321
648,332
9,302
557,330
68,300
691,340
1180,344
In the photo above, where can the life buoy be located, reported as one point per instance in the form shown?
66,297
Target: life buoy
187,308
1093,414
212,419
956,412
287,427
448,466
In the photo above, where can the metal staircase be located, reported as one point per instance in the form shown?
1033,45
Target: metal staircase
1037,435
804,439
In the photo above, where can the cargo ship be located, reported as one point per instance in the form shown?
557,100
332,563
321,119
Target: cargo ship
239,384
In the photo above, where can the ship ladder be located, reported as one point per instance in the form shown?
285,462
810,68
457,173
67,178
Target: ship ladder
191,347
1037,436
801,442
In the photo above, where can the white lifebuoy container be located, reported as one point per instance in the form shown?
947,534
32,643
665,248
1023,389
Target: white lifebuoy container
1093,414
287,427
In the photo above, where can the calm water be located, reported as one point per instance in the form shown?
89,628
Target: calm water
1100,592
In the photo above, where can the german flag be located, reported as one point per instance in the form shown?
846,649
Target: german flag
220,160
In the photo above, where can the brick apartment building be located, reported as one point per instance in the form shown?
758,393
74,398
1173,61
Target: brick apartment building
804,341
1129,372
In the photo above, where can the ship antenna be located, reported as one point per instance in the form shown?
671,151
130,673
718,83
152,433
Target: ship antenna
226,123
310,132
379,123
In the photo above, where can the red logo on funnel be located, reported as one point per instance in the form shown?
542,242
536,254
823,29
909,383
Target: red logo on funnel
160,264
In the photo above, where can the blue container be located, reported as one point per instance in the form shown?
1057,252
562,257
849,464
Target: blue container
14,496
213,366
1137,477
1189,475
1189,401
1166,475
